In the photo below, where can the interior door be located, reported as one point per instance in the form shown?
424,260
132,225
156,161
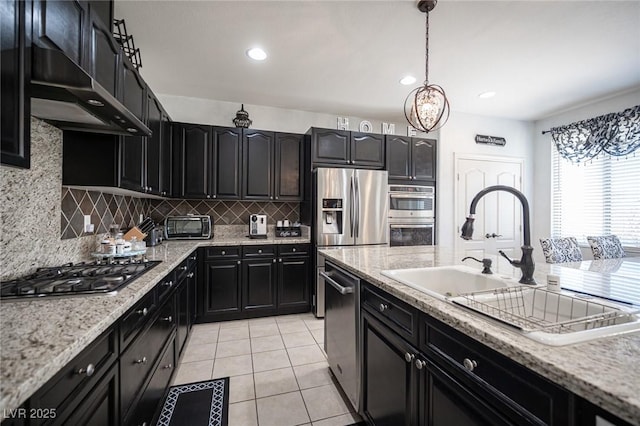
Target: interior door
498,224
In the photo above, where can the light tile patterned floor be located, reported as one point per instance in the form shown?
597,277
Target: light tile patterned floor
278,369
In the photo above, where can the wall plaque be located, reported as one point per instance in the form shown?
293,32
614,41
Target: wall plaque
491,140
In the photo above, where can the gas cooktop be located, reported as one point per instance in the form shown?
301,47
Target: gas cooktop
76,279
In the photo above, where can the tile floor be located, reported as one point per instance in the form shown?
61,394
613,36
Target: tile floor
278,369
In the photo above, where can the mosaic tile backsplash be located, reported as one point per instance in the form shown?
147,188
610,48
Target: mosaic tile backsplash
224,212
105,209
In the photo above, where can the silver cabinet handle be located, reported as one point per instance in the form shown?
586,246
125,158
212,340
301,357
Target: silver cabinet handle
239,262
190,275
215,196
168,366
142,360
167,283
469,364
168,319
183,268
293,249
409,357
223,252
193,258
280,260
259,251
208,196
143,312
88,370
274,261
336,285
383,307
420,364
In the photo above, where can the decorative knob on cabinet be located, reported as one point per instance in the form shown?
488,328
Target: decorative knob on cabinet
190,275
142,360
223,252
208,196
88,370
383,307
409,357
143,311
260,251
420,364
183,268
168,319
168,366
469,364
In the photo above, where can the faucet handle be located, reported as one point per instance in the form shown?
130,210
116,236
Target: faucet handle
503,254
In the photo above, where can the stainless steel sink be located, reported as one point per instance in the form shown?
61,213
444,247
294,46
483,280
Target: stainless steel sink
448,281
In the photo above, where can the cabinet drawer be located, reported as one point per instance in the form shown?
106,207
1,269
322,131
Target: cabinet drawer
293,250
258,251
67,387
165,286
395,313
181,270
482,367
222,252
134,320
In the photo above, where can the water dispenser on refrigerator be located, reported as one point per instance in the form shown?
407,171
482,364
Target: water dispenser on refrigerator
331,216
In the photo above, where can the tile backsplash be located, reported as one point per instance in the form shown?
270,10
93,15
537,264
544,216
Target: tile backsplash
105,209
224,212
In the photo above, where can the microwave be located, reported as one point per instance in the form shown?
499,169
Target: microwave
411,201
190,227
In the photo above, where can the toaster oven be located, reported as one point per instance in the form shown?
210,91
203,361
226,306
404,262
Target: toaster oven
190,227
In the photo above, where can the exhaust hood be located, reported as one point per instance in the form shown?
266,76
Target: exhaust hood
64,95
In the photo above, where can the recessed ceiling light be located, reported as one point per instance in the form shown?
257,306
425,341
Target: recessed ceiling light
407,80
257,54
486,95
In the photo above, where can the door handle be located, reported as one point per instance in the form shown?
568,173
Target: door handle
357,181
352,215
341,289
494,235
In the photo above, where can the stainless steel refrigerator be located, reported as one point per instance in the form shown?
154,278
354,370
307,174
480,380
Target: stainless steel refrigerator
350,208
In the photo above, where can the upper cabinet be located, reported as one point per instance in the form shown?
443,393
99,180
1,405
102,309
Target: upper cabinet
61,25
272,164
347,149
411,159
102,51
15,24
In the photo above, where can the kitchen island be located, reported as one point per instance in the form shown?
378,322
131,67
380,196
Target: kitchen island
603,372
38,337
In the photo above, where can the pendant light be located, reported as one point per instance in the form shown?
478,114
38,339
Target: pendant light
427,107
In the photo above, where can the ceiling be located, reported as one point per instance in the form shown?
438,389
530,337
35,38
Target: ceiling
347,57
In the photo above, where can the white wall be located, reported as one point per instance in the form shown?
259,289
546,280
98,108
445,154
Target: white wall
542,150
458,137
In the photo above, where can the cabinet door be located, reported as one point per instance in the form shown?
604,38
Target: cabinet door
194,296
194,153
132,162
447,402
227,162
132,89
60,25
390,380
424,159
399,157
367,150
154,144
103,52
330,146
166,156
100,407
293,282
288,167
16,71
258,284
257,154
183,315
221,282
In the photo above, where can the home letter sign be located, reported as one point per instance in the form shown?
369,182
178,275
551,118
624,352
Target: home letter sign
365,126
343,123
388,128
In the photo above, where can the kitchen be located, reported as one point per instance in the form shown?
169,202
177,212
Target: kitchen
35,201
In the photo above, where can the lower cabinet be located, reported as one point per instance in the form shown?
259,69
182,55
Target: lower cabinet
448,378
254,280
101,406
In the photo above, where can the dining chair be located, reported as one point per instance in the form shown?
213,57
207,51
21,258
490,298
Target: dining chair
561,250
606,247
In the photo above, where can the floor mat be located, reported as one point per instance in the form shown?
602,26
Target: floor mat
195,404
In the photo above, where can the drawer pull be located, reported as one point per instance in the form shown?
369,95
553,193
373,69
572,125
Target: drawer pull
420,364
143,312
259,251
168,319
274,261
383,307
190,275
193,258
89,370
142,360
167,283
183,268
409,357
293,249
223,252
168,366
469,364
239,262
280,260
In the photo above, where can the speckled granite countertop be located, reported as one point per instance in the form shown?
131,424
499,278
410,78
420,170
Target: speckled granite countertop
39,337
603,371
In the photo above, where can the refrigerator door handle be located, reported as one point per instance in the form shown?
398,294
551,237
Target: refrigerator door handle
357,206
352,209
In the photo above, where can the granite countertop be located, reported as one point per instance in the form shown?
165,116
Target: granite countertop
602,371
39,337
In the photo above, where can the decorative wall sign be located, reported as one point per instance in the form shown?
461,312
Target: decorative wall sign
366,126
343,123
491,140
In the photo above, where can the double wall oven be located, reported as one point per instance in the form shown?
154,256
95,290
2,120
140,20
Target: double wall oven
411,215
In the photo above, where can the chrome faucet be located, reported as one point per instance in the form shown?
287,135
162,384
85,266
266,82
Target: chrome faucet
525,263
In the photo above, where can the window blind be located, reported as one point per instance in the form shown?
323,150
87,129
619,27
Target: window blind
601,197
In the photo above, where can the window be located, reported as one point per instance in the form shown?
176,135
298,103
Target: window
601,197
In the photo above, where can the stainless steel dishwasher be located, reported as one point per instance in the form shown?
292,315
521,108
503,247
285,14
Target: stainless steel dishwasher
342,329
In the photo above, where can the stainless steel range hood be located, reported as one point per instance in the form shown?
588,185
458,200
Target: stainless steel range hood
64,95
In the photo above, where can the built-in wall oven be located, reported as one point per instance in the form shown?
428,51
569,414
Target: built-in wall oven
411,215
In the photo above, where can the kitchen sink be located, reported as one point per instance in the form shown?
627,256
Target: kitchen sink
443,282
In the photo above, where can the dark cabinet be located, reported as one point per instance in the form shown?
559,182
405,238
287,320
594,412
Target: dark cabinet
411,159
221,287
294,271
345,148
103,52
15,64
272,165
60,25
158,149
227,163
258,284
182,332
390,381
101,406
133,90
132,162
